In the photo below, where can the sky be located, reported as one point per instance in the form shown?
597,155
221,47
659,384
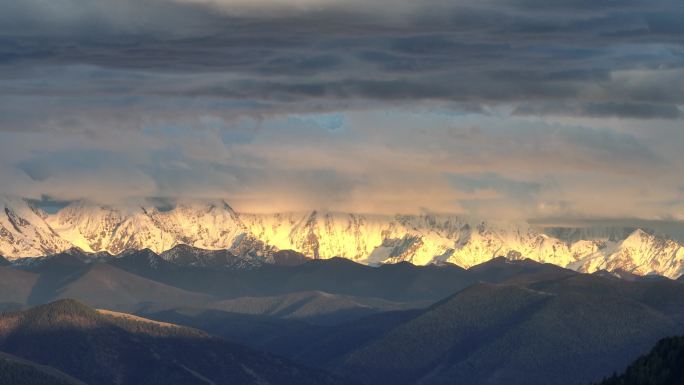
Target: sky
507,109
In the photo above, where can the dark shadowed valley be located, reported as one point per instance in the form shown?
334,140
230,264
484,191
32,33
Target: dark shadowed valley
95,317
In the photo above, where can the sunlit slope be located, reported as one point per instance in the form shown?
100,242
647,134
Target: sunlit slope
368,239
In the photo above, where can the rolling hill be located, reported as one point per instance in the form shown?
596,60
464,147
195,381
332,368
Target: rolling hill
73,274
102,285
16,371
501,320
402,282
522,335
101,348
315,307
16,285
538,325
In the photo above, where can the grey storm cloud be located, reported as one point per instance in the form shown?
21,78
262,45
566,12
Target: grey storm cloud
490,52
474,182
626,110
504,107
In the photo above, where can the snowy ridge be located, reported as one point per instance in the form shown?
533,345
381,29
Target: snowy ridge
24,231
210,226
368,239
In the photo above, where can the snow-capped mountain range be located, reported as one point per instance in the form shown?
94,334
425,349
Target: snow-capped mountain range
370,239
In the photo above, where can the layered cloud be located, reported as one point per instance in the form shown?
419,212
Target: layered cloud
516,108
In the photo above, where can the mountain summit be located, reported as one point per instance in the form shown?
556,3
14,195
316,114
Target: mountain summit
252,239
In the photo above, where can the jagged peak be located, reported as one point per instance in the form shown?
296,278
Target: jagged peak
372,239
639,236
201,205
87,206
18,205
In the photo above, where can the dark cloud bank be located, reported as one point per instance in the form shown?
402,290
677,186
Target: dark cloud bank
517,52
207,98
